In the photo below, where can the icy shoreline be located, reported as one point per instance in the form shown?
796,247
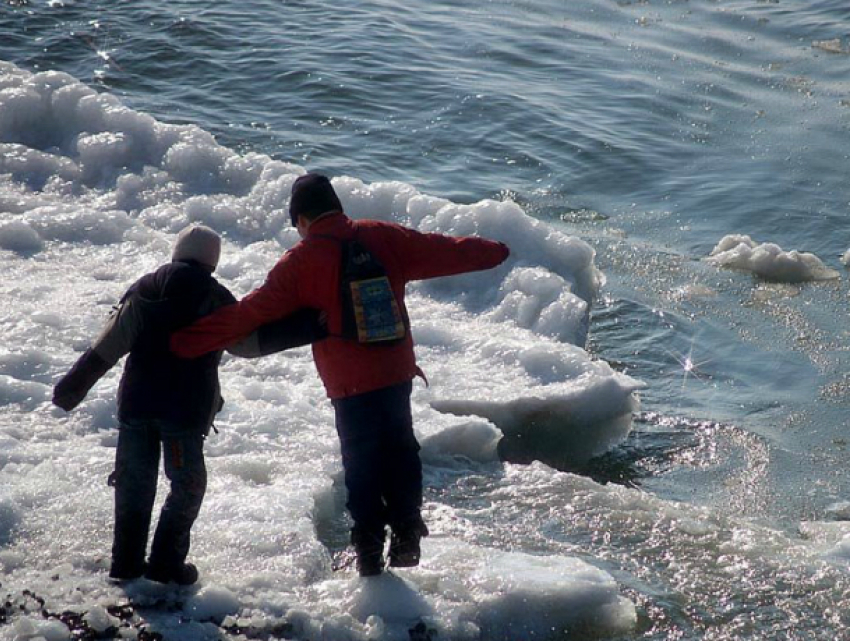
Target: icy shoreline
92,194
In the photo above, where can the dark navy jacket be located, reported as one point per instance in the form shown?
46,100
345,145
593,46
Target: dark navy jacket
157,384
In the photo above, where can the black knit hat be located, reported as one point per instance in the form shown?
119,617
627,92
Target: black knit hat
312,195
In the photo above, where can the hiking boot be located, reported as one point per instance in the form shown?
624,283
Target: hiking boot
370,563
120,573
404,544
369,547
186,574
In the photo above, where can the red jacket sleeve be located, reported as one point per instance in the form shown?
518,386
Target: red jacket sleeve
433,255
276,298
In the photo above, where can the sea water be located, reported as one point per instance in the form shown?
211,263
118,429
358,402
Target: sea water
634,429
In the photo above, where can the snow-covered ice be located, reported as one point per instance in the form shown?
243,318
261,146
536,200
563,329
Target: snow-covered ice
92,194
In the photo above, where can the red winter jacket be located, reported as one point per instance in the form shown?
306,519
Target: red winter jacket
308,276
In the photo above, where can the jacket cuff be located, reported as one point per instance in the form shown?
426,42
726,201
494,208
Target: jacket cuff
73,387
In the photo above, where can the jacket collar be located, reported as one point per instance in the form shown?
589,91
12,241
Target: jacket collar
332,224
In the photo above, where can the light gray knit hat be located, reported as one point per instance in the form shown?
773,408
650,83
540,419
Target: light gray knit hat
198,243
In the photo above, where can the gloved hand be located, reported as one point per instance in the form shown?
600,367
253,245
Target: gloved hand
73,387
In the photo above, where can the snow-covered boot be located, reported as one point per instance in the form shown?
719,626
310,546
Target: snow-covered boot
185,574
119,572
369,546
404,543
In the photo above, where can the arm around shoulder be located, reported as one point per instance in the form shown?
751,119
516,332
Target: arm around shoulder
300,328
272,301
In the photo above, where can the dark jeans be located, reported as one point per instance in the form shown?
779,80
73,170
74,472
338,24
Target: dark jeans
380,455
135,479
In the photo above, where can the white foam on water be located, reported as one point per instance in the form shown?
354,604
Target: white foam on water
91,196
475,440
830,538
533,388
839,511
212,603
834,45
512,595
768,260
842,549
466,591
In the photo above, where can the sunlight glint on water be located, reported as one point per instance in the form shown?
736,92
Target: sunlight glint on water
650,130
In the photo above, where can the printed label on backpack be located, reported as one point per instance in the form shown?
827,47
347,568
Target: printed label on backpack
376,311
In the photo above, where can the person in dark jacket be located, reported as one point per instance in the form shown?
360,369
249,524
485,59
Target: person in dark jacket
369,383
166,404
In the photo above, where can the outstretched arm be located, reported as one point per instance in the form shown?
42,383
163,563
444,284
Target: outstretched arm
434,255
114,342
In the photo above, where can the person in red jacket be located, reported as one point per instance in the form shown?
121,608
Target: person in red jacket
368,376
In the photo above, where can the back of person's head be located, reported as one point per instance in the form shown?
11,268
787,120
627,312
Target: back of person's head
312,196
198,244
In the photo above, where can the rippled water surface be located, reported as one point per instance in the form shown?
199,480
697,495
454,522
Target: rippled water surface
650,129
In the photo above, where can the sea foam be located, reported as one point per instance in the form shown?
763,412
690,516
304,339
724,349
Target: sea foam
92,194
769,260
86,170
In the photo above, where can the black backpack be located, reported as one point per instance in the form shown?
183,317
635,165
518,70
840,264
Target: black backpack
370,311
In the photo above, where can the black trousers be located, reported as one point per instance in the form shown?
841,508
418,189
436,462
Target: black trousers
135,480
380,456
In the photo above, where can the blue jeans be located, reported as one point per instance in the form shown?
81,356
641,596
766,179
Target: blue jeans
380,456
135,480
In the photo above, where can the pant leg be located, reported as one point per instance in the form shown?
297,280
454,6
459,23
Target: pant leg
380,455
401,471
135,476
183,458
357,419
